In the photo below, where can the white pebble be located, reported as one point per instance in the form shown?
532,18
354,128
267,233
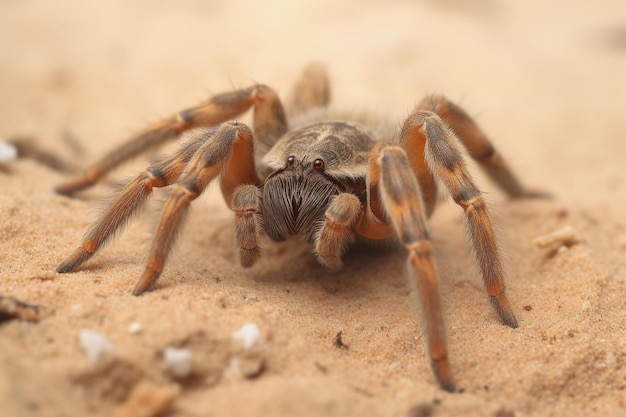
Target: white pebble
95,345
250,297
248,335
8,152
135,327
178,361
586,306
566,236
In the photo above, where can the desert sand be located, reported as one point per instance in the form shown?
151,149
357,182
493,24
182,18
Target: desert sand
545,80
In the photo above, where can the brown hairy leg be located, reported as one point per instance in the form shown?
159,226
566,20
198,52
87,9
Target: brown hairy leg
445,160
311,90
231,144
478,146
269,123
128,202
401,198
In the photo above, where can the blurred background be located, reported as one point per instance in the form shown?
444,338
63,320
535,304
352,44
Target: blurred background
545,79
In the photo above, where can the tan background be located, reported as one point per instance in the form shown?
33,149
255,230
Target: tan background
545,79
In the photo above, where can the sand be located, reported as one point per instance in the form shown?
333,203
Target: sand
545,80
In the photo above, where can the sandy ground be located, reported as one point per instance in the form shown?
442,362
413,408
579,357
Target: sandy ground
544,79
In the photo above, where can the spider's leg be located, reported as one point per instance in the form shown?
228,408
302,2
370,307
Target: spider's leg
393,180
128,202
247,206
336,230
478,146
445,160
311,90
229,152
269,124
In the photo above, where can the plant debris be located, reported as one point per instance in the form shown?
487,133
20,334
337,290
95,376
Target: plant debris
11,308
565,237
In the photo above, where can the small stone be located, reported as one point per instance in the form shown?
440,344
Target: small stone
135,328
248,335
178,362
250,297
8,152
246,366
95,345
585,306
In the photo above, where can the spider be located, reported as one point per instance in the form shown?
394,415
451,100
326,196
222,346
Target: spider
331,180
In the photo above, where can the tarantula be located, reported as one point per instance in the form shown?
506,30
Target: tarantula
330,181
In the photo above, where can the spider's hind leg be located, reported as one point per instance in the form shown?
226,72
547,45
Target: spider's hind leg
311,90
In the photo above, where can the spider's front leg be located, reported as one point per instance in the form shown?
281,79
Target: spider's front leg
128,202
392,181
228,152
269,124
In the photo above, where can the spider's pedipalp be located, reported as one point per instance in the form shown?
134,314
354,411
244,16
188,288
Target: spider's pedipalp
246,206
336,231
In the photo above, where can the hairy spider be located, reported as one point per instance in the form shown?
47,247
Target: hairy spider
329,181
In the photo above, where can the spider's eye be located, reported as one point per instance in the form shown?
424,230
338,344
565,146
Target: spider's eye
318,164
291,160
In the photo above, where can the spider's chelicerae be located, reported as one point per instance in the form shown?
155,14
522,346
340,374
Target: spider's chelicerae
330,180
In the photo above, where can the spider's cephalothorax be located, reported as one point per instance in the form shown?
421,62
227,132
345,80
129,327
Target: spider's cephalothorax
319,161
328,180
